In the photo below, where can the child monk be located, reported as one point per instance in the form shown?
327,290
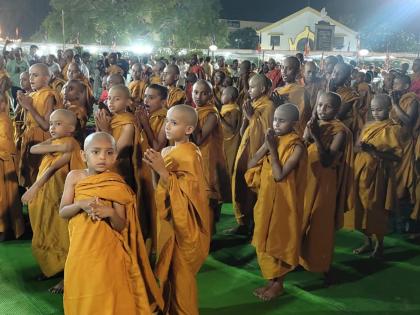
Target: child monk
113,67
18,120
61,154
74,72
313,84
365,92
294,92
375,195
75,101
328,185
138,86
68,59
275,172
170,79
405,111
218,79
209,138
38,107
257,117
230,117
107,269
157,69
11,218
183,212
151,120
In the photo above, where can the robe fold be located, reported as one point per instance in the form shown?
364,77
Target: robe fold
355,117
366,95
231,140
108,272
11,217
243,199
50,240
137,89
184,228
329,193
375,189
175,96
156,79
299,97
279,210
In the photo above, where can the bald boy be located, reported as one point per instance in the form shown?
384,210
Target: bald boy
170,79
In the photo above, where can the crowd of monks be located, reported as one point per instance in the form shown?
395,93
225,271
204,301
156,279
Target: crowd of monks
124,191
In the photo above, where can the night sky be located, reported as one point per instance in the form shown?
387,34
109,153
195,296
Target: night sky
405,14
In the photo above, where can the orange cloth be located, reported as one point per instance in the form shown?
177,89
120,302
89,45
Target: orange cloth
184,228
231,140
405,172
251,141
329,193
64,71
108,272
9,100
366,95
299,97
137,90
212,153
114,69
33,134
11,217
58,84
375,190
355,117
279,210
50,240
175,96
156,79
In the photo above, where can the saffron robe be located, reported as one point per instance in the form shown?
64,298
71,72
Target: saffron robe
279,210
137,89
175,96
231,140
108,272
50,240
355,117
329,193
184,228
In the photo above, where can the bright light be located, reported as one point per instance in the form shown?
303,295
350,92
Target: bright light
213,47
92,49
42,51
182,52
142,49
363,52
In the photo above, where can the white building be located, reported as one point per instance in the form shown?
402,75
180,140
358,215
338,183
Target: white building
234,25
292,32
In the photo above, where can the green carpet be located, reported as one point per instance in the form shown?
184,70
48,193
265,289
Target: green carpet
226,281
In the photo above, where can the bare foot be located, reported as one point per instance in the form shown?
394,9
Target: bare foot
58,288
363,249
275,290
259,291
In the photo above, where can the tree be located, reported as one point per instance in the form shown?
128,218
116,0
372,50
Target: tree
244,38
383,38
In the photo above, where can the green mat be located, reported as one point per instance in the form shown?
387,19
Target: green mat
226,281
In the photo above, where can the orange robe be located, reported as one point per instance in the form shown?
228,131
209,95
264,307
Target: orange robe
299,97
278,211
243,199
375,190
329,193
64,71
114,69
33,134
50,240
155,79
58,84
184,228
148,213
108,272
137,90
405,172
9,101
355,118
366,94
212,153
175,96
231,140
11,217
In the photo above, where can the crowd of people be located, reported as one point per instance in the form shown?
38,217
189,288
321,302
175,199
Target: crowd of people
124,166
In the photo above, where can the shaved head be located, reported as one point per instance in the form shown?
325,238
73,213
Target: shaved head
259,80
99,136
188,113
66,115
382,100
172,68
114,79
333,97
78,84
292,62
231,93
289,111
120,88
42,68
205,84
311,65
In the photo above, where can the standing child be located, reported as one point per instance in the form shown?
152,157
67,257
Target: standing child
138,86
170,79
60,155
107,269
183,212
218,79
157,69
275,172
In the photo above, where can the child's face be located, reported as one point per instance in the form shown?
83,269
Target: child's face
71,92
226,97
152,100
289,72
73,72
218,78
100,156
117,101
60,126
136,72
325,109
169,76
256,89
379,111
201,94
25,84
282,124
176,128
399,85
37,78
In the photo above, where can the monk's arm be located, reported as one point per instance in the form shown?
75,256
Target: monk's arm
200,135
117,218
344,109
63,160
408,118
126,139
245,124
328,155
5,84
279,172
388,155
47,147
258,156
43,122
230,122
159,143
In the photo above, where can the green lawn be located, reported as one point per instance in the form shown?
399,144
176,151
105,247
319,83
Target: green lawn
226,281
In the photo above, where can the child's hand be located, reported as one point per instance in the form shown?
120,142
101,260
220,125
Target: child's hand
29,195
279,99
155,160
248,109
103,121
25,100
86,206
101,212
142,116
270,140
313,128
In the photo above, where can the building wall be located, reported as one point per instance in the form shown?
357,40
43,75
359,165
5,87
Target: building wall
291,28
234,25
